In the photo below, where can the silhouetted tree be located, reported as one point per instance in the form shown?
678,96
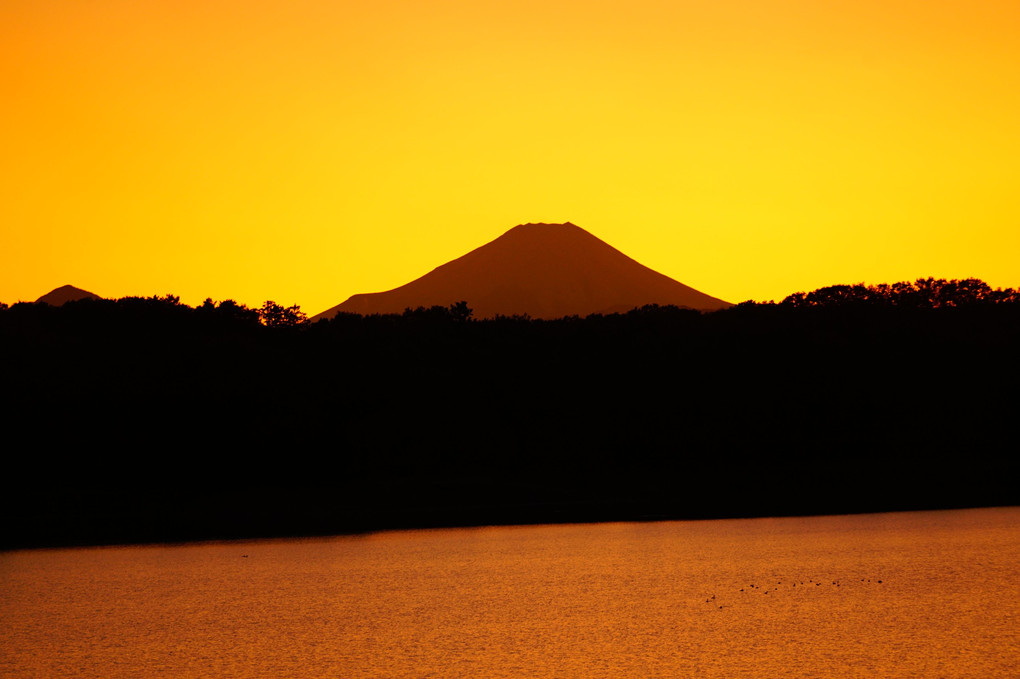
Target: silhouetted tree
228,308
434,313
171,300
229,311
460,311
274,315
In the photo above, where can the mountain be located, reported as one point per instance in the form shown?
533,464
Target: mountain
542,270
66,293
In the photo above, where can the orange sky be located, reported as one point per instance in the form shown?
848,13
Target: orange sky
307,150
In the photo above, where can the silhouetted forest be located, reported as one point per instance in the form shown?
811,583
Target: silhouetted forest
143,419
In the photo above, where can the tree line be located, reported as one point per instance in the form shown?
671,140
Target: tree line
146,419
923,293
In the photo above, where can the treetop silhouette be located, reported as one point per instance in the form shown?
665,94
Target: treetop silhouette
923,293
274,315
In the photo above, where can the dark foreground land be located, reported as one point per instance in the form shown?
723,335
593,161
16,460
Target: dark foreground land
146,420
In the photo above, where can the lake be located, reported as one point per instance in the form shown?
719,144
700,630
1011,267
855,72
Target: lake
924,594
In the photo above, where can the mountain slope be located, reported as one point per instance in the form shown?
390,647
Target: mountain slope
543,270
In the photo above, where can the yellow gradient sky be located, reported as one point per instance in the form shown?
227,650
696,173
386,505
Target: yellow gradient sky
307,150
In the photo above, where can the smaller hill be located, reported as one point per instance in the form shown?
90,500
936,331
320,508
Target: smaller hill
64,294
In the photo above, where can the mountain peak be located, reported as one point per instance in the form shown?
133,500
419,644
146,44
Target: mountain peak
544,270
544,226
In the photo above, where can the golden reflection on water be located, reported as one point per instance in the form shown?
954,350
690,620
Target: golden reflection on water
929,594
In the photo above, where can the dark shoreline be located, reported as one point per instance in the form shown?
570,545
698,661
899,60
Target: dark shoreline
149,421
503,517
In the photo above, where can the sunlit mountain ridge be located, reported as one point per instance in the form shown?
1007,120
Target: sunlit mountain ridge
537,270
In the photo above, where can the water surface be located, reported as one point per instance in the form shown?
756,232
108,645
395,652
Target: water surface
930,594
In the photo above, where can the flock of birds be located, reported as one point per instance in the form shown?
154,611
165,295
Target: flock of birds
755,589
